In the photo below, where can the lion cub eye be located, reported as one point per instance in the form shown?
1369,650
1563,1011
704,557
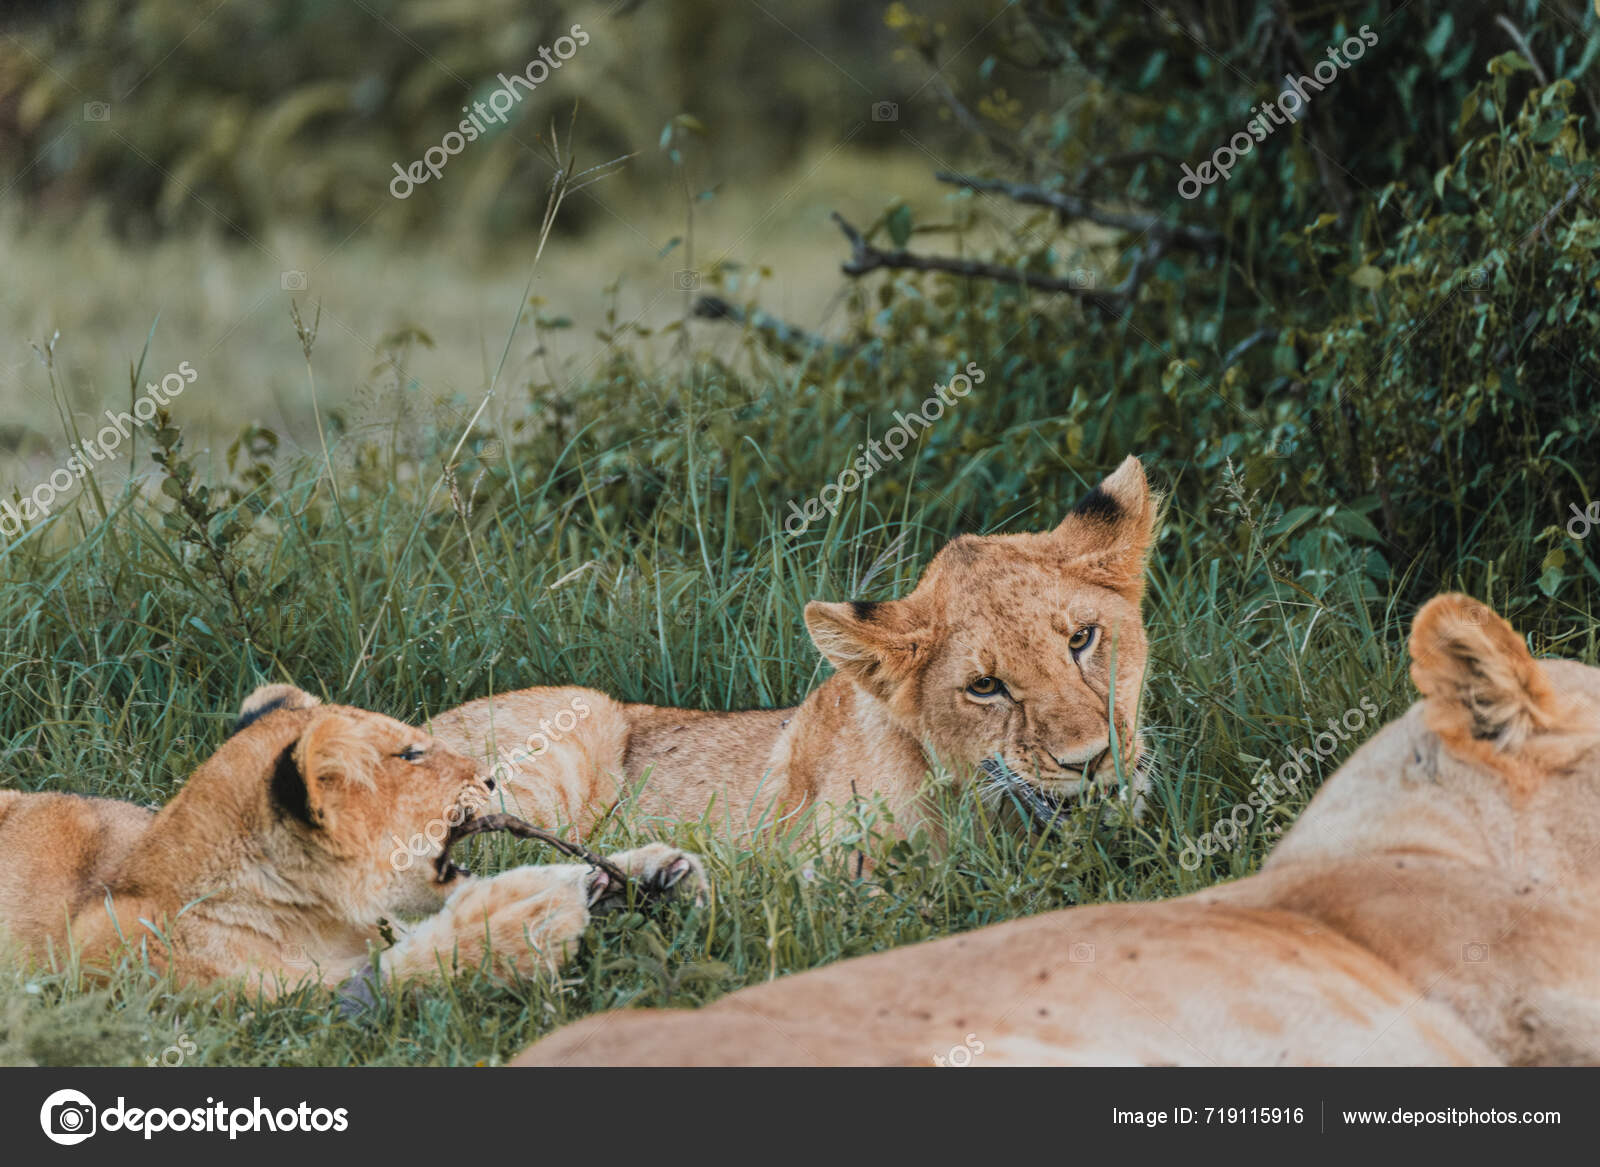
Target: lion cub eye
412,753
1082,638
987,687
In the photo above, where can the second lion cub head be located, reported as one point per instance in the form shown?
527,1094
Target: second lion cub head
1019,658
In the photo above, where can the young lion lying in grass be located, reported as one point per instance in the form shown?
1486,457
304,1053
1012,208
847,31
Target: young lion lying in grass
1018,660
277,861
1437,903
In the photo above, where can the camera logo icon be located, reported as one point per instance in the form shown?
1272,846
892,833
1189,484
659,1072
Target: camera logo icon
885,111
686,281
1475,953
96,111
68,1117
293,281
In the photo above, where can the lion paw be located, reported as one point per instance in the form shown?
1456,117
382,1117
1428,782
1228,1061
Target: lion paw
663,870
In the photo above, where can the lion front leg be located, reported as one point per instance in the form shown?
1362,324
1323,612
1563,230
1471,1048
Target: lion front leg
529,919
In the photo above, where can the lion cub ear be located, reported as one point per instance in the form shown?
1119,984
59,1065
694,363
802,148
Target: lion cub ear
269,699
876,645
1486,696
1106,538
320,771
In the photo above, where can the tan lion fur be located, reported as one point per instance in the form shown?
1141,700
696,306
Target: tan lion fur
1437,903
281,856
897,706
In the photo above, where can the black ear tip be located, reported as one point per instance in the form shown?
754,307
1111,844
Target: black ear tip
1098,506
864,609
255,713
269,699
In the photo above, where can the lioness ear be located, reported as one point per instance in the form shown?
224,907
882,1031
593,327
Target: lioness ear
314,774
1486,695
1107,536
877,645
270,698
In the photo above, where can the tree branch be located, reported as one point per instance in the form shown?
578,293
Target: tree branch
864,258
962,114
1574,192
1066,206
776,331
1522,45
1237,351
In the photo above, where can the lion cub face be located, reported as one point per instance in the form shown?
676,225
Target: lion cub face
1018,657
371,803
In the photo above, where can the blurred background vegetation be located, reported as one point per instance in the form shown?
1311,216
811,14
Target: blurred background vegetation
1385,316
1364,366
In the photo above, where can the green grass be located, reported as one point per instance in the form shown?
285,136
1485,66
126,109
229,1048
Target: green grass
627,536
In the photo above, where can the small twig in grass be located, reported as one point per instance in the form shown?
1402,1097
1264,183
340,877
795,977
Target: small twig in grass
512,825
308,340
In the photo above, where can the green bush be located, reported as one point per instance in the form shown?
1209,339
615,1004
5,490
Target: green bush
1393,346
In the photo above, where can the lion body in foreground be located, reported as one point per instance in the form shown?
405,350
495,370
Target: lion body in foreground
277,859
1437,903
1017,656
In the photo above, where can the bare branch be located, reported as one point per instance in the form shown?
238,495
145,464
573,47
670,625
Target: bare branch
1245,345
962,114
1066,206
866,258
775,330
1522,46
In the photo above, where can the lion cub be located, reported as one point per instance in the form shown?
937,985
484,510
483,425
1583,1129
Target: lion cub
1017,661
283,855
